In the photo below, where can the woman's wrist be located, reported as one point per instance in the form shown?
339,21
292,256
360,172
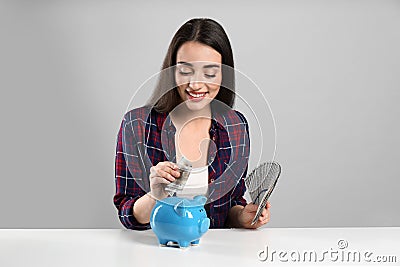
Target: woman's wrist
157,196
234,216
142,208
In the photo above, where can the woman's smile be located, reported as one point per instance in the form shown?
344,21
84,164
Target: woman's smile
194,95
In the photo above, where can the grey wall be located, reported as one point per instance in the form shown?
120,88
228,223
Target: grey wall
329,69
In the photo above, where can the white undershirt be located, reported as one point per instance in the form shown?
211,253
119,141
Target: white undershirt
196,184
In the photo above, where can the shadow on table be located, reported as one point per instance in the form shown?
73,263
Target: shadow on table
145,237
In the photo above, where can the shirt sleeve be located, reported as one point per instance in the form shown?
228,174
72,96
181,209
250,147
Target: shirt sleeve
127,190
238,192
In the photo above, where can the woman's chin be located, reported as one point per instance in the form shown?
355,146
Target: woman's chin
196,106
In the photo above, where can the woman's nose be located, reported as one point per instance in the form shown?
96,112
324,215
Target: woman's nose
196,81
196,85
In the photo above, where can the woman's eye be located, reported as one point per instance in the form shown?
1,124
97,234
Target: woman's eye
210,75
185,72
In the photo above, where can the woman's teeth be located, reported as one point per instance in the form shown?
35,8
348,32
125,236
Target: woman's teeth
196,95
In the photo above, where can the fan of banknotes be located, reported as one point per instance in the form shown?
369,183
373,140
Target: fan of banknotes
260,183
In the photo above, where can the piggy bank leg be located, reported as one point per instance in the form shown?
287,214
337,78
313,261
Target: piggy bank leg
196,242
183,244
163,242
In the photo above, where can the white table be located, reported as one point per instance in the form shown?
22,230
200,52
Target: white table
218,247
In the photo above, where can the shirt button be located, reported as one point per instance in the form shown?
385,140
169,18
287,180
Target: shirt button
211,180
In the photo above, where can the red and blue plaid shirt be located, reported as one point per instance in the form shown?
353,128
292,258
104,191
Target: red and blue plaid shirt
141,143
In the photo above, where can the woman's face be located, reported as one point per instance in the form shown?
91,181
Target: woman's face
198,74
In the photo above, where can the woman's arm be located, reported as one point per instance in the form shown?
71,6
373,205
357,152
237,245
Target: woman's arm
238,203
127,190
133,204
142,208
241,214
160,175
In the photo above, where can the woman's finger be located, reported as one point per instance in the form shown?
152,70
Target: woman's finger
251,207
160,180
264,212
262,222
265,215
169,167
166,175
168,164
153,170
172,171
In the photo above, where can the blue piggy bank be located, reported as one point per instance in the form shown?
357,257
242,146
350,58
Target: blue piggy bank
179,220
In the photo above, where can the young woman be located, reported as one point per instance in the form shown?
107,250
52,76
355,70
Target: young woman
197,54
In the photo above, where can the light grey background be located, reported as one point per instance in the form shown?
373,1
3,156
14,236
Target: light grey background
329,69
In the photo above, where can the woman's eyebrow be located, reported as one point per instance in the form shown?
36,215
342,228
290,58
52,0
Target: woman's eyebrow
211,66
205,66
185,63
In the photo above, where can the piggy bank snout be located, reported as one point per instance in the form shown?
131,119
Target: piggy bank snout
204,225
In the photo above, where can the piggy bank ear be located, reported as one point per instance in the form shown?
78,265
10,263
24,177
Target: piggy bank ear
180,208
200,199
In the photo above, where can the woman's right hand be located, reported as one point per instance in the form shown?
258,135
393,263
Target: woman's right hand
163,173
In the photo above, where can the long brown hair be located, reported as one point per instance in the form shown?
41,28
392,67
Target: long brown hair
205,31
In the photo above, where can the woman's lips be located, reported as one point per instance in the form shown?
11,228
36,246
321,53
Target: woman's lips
195,96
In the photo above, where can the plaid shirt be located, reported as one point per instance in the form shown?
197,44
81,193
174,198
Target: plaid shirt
141,144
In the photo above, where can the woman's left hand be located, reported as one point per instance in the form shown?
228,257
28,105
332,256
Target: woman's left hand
247,214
